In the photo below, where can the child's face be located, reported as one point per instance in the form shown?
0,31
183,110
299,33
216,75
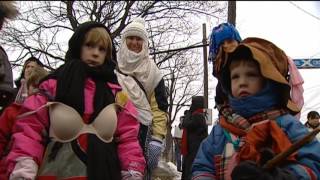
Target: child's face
246,79
93,54
229,45
29,68
134,43
314,121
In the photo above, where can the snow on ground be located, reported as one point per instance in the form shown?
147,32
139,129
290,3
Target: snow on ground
166,171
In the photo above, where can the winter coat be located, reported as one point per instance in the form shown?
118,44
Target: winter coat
196,130
6,81
211,149
317,136
159,107
7,119
31,131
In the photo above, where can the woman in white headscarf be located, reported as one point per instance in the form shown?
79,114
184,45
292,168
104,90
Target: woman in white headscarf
143,82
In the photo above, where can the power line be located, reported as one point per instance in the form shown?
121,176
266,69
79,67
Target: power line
180,49
318,18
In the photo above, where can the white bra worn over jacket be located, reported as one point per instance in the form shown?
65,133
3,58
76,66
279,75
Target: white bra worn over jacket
66,124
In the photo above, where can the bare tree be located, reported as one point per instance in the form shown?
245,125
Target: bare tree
44,28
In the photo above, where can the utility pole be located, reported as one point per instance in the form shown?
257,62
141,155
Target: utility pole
205,66
232,12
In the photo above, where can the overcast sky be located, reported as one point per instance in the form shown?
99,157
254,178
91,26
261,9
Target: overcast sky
294,26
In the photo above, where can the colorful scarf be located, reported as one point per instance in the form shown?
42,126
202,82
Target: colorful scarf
245,143
247,136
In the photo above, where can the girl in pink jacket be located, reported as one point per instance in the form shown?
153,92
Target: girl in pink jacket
76,129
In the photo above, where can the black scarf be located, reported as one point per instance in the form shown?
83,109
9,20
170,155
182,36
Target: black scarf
70,91
71,79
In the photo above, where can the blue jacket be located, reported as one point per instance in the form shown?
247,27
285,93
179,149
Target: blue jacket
309,155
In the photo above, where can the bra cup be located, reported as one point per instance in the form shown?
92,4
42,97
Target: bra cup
66,122
105,123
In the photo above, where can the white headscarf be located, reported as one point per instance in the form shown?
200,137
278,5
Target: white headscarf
141,67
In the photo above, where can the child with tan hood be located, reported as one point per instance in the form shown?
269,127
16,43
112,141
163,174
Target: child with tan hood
258,121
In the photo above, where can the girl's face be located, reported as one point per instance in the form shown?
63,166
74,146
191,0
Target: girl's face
93,54
134,43
246,79
229,45
29,68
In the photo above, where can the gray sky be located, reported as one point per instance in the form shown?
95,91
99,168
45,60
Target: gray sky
294,26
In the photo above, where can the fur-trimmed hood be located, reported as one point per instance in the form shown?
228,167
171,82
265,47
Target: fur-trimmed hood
8,9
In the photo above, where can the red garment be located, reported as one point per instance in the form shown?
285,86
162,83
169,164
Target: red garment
7,120
184,143
83,138
198,111
184,140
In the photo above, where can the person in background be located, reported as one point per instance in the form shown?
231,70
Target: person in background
9,116
259,122
194,131
182,118
21,83
7,11
183,143
177,145
313,121
224,39
177,135
74,128
143,83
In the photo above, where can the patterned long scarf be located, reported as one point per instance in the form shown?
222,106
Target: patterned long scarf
244,143
246,136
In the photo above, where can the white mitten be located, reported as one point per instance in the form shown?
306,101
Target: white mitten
25,169
131,175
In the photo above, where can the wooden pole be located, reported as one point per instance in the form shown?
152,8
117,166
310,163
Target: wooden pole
205,65
294,147
232,12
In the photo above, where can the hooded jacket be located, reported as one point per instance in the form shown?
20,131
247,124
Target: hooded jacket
7,11
6,80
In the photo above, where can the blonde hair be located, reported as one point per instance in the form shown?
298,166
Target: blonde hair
36,75
100,35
